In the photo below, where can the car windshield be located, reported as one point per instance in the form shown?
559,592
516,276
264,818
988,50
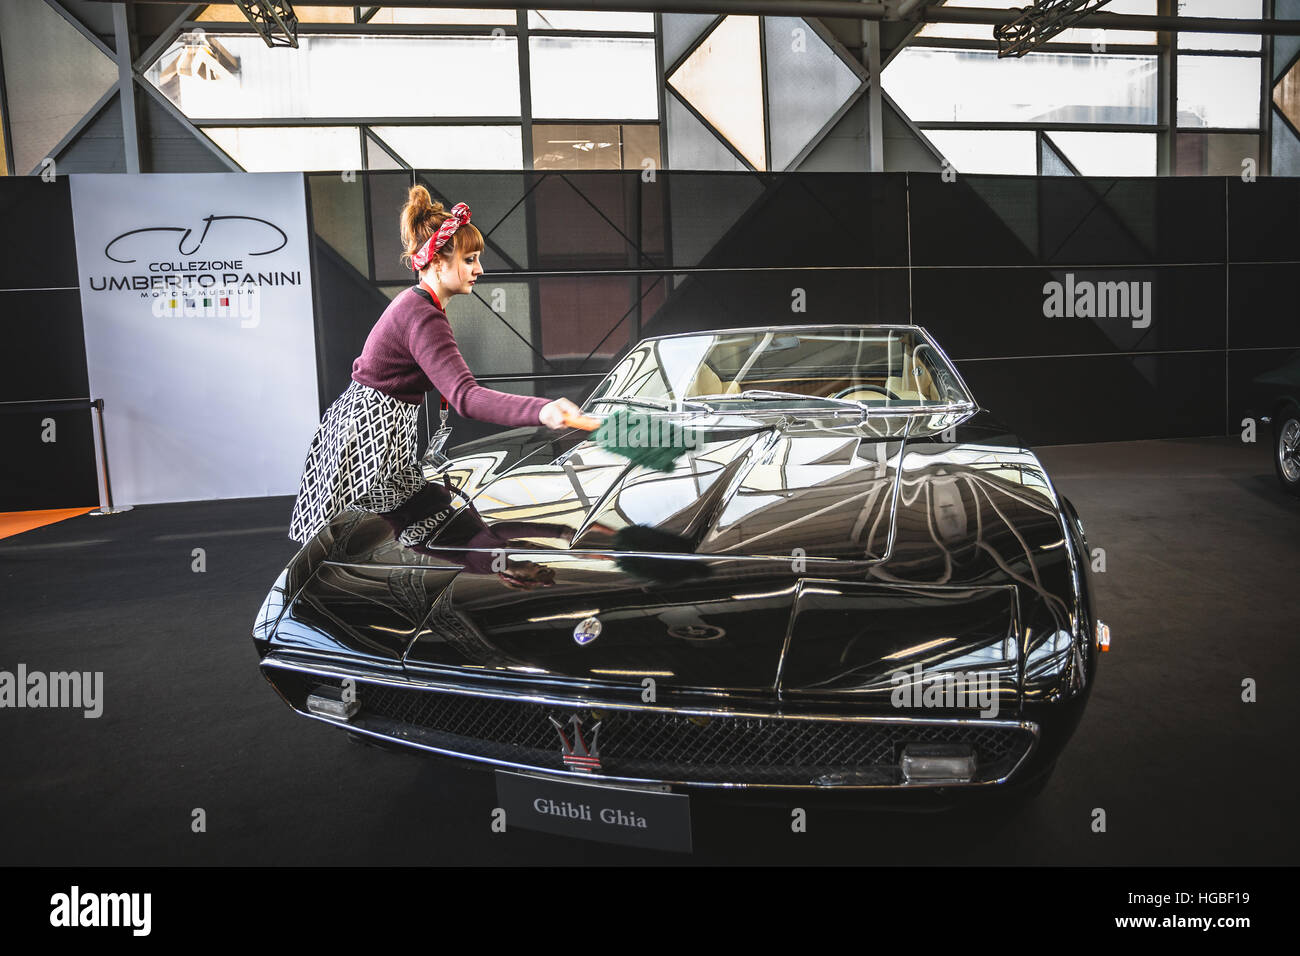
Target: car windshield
885,368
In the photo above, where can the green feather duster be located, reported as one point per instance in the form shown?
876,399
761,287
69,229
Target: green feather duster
646,441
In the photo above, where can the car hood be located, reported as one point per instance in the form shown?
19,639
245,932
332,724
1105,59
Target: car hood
753,487
813,557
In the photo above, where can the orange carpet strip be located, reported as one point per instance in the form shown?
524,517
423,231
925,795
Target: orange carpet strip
16,522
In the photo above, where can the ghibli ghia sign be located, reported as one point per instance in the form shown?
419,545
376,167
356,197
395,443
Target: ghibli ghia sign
610,814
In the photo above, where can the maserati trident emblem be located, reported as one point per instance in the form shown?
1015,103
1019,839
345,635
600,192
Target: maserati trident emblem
578,754
588,630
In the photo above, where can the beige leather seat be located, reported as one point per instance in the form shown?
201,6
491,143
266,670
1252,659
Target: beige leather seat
706,382
919,386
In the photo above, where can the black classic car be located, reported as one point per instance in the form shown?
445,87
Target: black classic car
851,578
1277,402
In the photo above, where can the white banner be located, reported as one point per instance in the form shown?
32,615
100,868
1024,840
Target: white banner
196,304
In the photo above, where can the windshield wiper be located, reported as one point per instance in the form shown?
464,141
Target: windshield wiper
653,402
767,393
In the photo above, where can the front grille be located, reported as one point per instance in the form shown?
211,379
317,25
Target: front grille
672,746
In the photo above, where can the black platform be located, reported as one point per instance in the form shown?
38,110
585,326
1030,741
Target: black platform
1201,591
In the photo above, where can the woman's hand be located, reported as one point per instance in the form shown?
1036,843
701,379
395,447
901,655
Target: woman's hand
552,415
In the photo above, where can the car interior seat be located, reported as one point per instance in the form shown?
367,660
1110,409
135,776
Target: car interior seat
706,382
915,384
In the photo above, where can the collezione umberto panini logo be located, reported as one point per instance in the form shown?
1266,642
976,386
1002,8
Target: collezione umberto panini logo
184,285
250,235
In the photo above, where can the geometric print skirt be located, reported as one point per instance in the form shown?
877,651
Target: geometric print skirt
363,456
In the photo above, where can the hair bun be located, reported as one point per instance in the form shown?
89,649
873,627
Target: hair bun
421,216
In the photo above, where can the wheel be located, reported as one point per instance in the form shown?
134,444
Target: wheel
1286,449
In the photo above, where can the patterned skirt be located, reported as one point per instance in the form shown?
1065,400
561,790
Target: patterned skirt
363,457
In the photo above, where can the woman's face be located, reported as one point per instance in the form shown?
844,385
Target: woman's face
460,272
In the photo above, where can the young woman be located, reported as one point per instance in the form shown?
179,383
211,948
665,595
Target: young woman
364,453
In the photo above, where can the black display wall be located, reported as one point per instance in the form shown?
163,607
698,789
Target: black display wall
580,265
45,353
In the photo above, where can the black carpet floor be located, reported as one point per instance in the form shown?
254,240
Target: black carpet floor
1201,590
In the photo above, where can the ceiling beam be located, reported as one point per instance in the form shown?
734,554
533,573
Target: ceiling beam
854,10
844,9
1122,21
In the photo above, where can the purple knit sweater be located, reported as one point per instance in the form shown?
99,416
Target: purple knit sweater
411,350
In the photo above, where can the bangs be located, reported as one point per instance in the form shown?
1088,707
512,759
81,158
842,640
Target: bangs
468,239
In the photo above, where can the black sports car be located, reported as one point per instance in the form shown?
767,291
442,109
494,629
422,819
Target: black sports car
1277,401
851,577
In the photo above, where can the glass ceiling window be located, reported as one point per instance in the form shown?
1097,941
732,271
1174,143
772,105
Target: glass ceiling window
583,20
723,79
1219,91
1000,151
291,148
606,146
1228,9
237,76
591,77
1218,88
941,85
455,147
1216,154
456,15
1108,154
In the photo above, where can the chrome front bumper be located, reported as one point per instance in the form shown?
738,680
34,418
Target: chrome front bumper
647,744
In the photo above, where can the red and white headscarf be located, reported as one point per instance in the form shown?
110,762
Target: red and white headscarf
458,217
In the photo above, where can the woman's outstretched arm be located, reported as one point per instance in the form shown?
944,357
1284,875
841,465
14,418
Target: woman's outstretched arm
434,347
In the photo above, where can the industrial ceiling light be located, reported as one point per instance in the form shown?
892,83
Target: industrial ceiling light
1039,23
202,57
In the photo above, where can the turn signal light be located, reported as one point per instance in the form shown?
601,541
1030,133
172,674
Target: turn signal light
329,702
1103,635
938,763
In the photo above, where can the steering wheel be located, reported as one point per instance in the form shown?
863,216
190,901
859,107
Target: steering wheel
873,388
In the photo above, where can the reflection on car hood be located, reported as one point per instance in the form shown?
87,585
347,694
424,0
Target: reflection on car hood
821,488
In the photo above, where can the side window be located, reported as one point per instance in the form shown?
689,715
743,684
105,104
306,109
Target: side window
943,385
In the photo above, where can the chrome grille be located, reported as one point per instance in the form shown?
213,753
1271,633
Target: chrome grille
672,746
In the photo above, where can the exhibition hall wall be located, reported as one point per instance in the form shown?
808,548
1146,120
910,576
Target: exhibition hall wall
48,458
1077,309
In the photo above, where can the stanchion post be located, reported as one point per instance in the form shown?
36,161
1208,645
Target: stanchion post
101,463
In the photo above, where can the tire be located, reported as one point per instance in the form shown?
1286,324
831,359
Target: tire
1286,449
